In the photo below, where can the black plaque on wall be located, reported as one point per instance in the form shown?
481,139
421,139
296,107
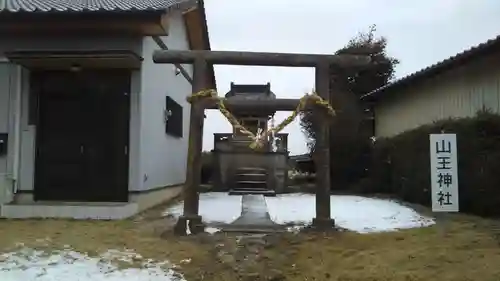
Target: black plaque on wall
173,118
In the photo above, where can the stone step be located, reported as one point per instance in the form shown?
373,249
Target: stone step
250,185
265,192
250,191
251,177
249,188
260,173
251,170
251,182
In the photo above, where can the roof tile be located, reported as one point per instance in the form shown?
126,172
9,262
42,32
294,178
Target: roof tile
88,5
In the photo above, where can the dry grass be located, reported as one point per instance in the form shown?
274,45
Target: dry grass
95,237
464,248
461,250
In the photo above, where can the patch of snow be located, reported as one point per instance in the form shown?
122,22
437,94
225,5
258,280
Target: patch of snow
126,255
212,230
188,229
356,213
33,265
215,207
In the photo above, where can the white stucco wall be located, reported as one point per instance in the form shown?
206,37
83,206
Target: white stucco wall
163,157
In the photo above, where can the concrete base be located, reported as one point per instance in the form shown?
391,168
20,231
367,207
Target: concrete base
322,224
78,211
193,222
150,199
24,207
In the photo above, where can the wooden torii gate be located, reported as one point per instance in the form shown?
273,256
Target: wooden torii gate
201,59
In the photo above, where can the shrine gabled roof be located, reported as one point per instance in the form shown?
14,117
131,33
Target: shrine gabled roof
251,91
16,6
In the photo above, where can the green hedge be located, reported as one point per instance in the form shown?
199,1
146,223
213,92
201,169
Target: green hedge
400,165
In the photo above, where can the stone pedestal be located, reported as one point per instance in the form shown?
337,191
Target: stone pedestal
322,224
194,223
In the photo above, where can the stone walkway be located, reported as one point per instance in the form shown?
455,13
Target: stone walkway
255,232
254,217
246,249
251,257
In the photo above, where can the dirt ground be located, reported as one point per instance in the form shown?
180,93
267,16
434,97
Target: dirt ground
457,248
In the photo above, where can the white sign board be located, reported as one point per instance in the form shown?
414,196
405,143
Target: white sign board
444,175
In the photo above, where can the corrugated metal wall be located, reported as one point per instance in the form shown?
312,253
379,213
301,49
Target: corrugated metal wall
460,92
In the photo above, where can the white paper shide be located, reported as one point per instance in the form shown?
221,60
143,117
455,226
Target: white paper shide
444,172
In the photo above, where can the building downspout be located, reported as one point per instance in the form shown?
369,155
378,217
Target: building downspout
17,131
9,179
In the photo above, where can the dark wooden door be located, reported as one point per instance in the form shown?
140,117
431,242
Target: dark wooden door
59,170
107,127
82,136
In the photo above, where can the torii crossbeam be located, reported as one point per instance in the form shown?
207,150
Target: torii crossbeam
201,59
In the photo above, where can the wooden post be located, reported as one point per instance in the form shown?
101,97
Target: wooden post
323,220
190,216
164,46
258,58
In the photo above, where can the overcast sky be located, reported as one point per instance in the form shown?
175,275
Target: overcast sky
419,33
